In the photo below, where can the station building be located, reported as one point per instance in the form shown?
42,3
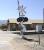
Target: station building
30,24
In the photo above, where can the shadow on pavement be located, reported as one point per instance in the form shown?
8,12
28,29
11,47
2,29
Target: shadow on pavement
31,40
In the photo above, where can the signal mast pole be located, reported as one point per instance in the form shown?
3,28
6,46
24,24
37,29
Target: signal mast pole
21,10
18,7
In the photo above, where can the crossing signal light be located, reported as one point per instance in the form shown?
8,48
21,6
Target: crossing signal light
24,19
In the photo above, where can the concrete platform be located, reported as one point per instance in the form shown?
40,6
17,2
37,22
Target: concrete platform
28,32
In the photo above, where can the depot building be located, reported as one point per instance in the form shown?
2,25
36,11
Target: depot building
30,24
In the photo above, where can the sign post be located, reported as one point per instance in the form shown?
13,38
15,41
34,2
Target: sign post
39,30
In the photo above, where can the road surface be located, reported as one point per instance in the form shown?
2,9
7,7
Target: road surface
5,38
9,41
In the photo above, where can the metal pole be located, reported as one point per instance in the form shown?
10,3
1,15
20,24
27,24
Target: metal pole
39,38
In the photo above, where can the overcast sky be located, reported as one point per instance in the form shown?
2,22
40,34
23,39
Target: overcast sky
34,9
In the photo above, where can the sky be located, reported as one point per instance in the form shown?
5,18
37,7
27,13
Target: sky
34,9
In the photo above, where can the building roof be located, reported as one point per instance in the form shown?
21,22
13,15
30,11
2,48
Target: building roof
28,22
37,21
12,21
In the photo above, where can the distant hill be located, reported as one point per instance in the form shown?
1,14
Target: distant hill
3,22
